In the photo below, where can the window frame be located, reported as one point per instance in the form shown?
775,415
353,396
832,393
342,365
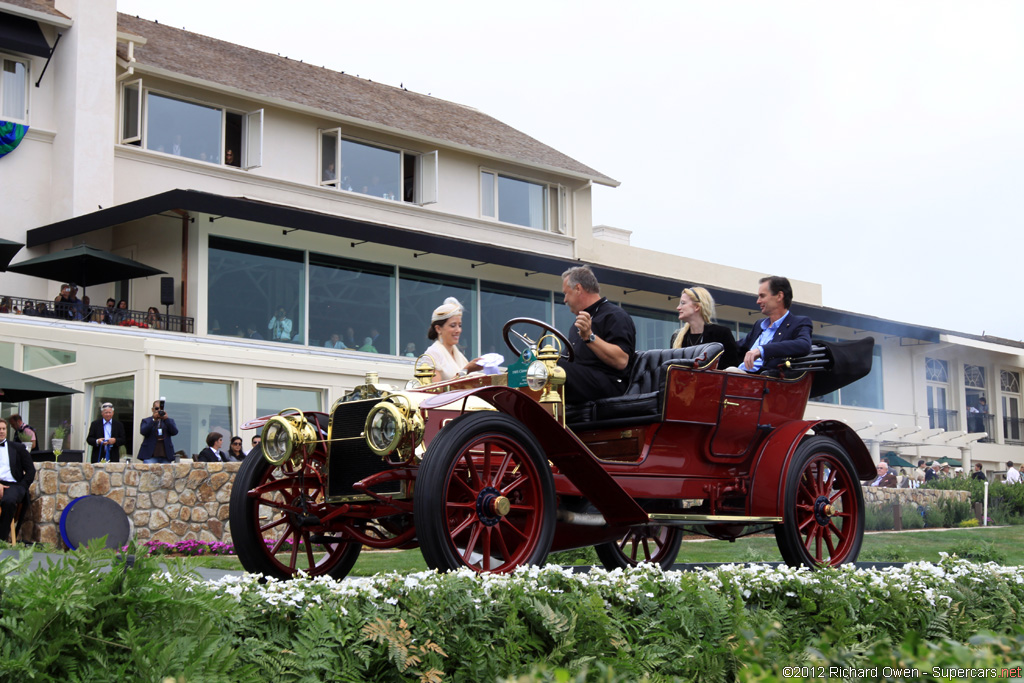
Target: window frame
27,63
252,135
427,167
553,218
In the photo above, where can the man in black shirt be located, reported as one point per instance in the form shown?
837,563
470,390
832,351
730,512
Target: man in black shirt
603,338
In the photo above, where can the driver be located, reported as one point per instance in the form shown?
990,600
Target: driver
603,338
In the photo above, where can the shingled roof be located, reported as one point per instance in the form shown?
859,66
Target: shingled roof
215,61
40,6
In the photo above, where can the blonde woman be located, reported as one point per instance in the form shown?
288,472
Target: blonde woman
696,311
445,330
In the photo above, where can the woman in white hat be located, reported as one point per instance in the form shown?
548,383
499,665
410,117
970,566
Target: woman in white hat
445,330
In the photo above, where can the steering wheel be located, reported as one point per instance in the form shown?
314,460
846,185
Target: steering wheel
508,333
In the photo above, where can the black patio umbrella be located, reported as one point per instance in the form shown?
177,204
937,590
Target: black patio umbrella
19,386
7,251
85,266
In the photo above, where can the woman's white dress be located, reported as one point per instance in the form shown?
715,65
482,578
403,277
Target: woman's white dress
444,362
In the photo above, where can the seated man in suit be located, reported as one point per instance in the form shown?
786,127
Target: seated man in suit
17,472
884,477
778,336
106,436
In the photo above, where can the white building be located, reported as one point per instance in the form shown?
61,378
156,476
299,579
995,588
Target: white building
259,182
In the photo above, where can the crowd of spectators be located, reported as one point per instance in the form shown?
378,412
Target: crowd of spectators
68,306
887,476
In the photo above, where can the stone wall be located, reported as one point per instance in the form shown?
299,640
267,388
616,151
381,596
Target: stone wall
923,497
169,503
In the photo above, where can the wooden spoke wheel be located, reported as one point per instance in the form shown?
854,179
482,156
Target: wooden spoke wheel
823,518
275,525
484,496
648,543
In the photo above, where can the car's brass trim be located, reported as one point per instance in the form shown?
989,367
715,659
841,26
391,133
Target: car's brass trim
712,519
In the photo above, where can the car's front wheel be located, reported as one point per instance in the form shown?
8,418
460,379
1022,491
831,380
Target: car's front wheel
484,496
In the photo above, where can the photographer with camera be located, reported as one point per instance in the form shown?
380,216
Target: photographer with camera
157,430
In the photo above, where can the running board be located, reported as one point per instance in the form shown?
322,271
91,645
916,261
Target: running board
678,520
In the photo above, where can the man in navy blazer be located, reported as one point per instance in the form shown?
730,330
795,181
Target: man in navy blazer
781,334
157,430
17,471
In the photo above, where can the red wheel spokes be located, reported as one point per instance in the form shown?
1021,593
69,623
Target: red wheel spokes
823,477
492,465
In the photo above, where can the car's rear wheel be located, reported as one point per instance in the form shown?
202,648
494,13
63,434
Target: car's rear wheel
274,522
648,543
823,517
485,498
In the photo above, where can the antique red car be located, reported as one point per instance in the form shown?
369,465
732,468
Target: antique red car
484,474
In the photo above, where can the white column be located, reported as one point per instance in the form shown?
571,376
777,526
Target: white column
83,70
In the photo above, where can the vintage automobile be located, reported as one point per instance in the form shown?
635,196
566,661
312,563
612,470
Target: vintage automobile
478,472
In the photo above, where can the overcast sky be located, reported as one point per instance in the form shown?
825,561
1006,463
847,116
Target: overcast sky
873,147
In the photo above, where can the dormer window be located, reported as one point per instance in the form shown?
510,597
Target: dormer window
376,170
521,202
193,130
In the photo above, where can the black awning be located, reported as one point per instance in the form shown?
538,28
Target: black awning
19,34
289,217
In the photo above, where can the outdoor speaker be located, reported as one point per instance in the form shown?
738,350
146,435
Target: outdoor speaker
167,291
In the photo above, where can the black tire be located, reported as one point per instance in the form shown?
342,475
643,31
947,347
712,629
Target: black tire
823,517
649,543
476,460
282,542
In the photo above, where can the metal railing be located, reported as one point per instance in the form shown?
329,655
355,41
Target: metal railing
981,422
117,317
1013,431
943,419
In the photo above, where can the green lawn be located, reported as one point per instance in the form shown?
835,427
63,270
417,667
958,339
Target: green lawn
906,546
1002,544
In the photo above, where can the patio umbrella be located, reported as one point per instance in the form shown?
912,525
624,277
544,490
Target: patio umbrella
7,251
949,461
85,266
19,386
895,460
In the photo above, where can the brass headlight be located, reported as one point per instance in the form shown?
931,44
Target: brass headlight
537,375
393,429
287,436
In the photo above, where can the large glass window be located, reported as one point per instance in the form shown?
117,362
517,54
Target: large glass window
7,355
190,129
256,291
271,400
517,201
197,408
353,300
865,392
420,293
183,128
46,414
14,90
500,303
653,328
1009,385
937,388
121,393
371,170
37,357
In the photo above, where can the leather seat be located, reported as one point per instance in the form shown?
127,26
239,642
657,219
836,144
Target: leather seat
644,396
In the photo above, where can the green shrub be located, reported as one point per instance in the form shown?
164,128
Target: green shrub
912,517
955,511
879,516
575,556
978,551
933,517
891,553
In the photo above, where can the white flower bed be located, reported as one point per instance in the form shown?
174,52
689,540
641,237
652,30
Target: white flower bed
924,583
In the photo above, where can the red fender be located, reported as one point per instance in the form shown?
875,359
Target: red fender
561,447
768,485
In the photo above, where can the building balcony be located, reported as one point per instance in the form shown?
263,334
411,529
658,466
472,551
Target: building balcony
67,312
1013,431
982,422
948,420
